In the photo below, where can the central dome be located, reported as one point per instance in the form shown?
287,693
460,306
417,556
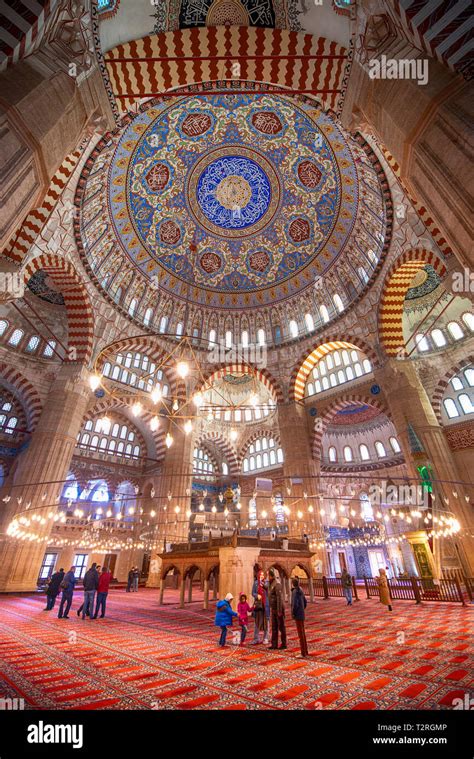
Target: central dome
229,200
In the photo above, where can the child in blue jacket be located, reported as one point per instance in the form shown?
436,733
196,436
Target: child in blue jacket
224,616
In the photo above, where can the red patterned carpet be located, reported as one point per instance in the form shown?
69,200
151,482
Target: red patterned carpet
143,656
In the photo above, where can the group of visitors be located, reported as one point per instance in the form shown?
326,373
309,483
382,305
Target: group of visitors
94,582
268,609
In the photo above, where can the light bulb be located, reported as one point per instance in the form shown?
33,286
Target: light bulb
201,507
169,440
213,509
94,381
152,513
183,369
239,506
253,400
198,400
137,408
188,427
154,424
264,514
177,509
156,394
175,405
233,434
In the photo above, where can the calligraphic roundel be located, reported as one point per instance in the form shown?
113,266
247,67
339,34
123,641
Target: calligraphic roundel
299,230
170,233
158,177
196,124
267,122
309,174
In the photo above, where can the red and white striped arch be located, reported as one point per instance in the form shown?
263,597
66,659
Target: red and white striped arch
308,362
256,436
225,447
154,64
443,383
76,298
110,404
24,392
321,423
26,234
392,301
262,375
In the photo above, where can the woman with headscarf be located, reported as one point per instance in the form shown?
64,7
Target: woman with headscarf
384,590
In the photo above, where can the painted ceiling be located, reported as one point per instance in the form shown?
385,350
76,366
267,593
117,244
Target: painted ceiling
229,200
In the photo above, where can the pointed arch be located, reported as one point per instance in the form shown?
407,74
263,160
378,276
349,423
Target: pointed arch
308,360
226,448
321,422
396,286
76,298
24,392
263,375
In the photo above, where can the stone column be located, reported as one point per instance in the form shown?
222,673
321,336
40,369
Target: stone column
205,604
175,478
300,465
162,591
182,591
236,571
409,404
46,460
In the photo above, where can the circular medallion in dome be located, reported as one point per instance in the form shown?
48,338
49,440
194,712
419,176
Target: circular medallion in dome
233,191
228,200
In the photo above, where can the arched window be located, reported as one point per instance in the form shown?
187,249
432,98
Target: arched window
395,445
269,457
212,336
422,343
107,445
225,469
324,313
364,452
363,274
468,319
228,339
338,303
332,454
380,448
163,324
469,376
438,338
33,343
245,339
450,408
293,328
3,326
147,317
261,337
466,403
49,349
309,322
132,307
15,337
179,329
455,331
348,453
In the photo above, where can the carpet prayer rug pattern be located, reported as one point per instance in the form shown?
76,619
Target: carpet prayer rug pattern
145,656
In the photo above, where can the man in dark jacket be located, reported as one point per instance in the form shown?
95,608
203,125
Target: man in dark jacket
53,589
277,610
298,605
91,583
67,587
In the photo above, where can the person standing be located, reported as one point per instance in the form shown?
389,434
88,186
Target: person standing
130,580
243,610
91,583
277,610
67,587
135,578
260,594
298,605
53,589
224,617
102,591
347,586
384,590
